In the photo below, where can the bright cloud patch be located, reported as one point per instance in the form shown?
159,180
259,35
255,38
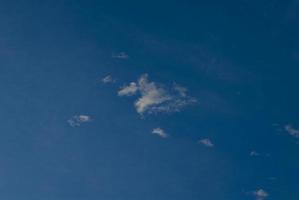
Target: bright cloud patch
151,95
160,132
292,131
206,142
108,79
128,90
155,98
77,120
260,194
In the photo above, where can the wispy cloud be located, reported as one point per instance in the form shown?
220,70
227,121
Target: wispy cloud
260,194
129,90
292,131
181,90
160,132
77,120
254,153
121,55
155,98
206,142
108,79
259,154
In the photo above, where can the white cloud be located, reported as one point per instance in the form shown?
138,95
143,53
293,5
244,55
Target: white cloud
155,98
121,55
108,79
206,142
292,131
260,194
77,120
160,132
128,90
151,95
254,153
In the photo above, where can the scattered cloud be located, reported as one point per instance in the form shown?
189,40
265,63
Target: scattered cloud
206,142
260,194
129,90
254,153
155,98
292,131
160,132
77,120
108,79
121,55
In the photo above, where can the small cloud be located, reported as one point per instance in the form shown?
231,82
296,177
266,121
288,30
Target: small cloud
121,55
254,153
108,79
206,142
160,132
292,131
155,98
77,120
260,194
128,90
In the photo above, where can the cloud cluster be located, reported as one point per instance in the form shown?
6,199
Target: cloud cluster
206,142
260,194
77,120
155,98
292,131
160,132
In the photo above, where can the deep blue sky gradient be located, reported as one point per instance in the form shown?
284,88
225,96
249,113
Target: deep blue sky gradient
238,58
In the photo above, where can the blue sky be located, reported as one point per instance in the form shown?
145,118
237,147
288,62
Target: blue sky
149,100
